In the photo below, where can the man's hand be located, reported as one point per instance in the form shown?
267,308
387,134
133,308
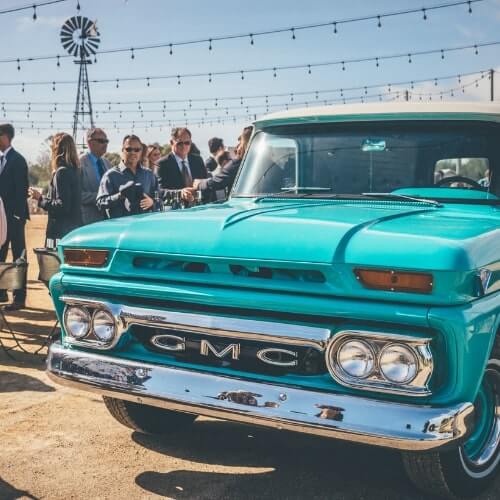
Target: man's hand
187,194
36,195
196,184
146,202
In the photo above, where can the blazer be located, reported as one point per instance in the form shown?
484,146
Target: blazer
63,202
14,186
221,178
90,185
170,176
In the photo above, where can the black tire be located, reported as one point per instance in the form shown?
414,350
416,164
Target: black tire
147,419
453,474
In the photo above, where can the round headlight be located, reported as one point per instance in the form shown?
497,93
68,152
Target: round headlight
398,364
356,358
103,324
77,321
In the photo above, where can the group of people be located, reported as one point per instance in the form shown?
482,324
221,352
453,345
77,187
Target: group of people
89,189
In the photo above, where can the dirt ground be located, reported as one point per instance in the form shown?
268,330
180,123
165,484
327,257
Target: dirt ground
58,443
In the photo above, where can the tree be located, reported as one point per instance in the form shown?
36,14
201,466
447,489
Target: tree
113,158
39,172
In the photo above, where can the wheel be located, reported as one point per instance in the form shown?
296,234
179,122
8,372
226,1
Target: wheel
469,469
459,178
147,419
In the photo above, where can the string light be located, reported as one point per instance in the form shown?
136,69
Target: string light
33,6
292,29
274,69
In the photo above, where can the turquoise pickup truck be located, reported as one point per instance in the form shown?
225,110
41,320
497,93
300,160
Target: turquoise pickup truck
349,288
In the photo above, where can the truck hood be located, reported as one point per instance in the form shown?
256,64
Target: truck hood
390,234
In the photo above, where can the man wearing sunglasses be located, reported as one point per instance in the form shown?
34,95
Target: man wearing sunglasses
14,193
128,188
177,170
93,167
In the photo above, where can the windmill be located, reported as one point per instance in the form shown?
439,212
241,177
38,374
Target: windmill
80,38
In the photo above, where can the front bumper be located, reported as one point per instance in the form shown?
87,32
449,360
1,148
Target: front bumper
362,420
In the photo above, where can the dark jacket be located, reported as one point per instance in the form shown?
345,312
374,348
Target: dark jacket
222,178
210,164
14,186
170,176
63,202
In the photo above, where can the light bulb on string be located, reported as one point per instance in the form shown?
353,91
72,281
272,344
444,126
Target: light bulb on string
293,33
343,66
117,83
178,79
148,82
58,61
379,23
18,65
274,72
251,38
132,55
34,12
470,7
475,50
335,31
78,5
171,50
376,62
210,78
409,58
424,17
309,69
209,44
242,75
442,53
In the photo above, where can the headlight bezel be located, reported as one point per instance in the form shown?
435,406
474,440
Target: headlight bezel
91,339
376,381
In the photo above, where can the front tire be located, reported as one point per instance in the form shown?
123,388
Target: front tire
147,419
470,469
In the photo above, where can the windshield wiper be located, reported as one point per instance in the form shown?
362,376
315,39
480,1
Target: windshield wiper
302,189
394,196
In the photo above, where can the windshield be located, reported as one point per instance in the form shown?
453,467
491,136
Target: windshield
431,159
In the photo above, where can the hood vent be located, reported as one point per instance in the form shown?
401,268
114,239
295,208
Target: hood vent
242,271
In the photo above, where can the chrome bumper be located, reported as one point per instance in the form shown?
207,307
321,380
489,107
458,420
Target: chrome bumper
381,423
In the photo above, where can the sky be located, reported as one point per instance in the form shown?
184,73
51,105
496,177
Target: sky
133,23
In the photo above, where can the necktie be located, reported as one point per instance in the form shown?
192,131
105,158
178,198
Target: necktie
186,175
100,167
2,162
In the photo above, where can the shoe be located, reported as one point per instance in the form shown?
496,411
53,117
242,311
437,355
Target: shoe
4,297
14,306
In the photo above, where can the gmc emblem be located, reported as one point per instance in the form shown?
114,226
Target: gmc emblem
270,355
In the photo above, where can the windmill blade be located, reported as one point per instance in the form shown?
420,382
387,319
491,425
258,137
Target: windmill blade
86,25
72,23
79,22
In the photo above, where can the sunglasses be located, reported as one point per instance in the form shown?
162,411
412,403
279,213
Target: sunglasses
183,143
101,141
132,150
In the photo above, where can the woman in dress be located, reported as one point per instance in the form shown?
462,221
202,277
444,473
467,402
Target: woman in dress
63,200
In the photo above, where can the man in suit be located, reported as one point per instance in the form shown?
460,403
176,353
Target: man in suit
14,193
93,167
215,147
177,170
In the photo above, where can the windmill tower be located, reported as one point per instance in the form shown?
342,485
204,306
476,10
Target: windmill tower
80,38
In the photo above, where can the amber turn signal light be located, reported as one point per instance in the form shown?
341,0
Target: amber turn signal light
395,281
85,257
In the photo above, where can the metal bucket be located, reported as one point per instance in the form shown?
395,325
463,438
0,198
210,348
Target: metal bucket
13,275
48,263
